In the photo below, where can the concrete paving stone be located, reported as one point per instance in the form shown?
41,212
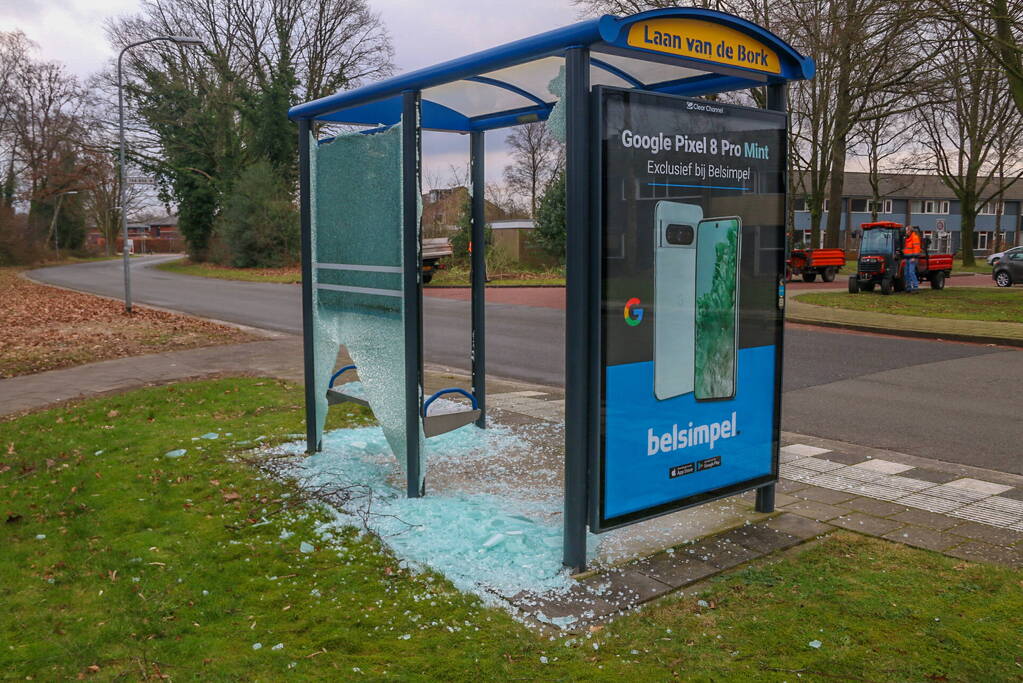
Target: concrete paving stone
788,471
930,503
872,506
781,499
803,450
512,394
761,538
722,553
816,464
675,569
930,475
865,524
859,474
798,526
625,588
835,482
823,495
976,485
988,534
924,537
907,484
844,458
509,417
1014,493
883,466
954,493
789,486
579,602
1007,505
926,519
976,551
878,490
821,512
977,512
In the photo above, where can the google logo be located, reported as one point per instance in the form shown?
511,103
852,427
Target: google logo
633,315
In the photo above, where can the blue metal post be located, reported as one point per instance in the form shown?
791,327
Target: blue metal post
777,100
308,358
412,286
578,344
479,275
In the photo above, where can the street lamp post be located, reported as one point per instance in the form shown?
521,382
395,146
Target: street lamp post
180,40
53,222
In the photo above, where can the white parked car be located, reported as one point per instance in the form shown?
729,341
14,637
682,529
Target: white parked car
993,258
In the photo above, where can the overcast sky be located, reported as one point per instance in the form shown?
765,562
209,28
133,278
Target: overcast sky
71,31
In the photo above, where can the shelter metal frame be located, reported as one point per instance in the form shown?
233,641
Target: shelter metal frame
506,86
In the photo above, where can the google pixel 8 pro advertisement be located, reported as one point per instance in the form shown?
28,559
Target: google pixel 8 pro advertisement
692,207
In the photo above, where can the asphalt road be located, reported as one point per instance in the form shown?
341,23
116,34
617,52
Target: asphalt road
943,400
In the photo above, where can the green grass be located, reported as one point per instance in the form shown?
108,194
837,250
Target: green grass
156,566
457,275
280,275
980,266
957,303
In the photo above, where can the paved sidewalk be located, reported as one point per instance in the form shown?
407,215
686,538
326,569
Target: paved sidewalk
281,357
1010,334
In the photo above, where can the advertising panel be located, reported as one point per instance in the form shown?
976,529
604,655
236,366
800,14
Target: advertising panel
691,203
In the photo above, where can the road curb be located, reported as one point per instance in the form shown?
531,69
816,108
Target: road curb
979,332
916,334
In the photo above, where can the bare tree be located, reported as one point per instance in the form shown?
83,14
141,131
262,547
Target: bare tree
48,131
506,199
970,128
15,51
997,26
536,157
885,143
199,117
624,7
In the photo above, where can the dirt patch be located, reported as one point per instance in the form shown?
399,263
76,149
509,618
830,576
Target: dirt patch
45,328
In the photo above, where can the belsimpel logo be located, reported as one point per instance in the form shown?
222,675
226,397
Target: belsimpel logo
633,315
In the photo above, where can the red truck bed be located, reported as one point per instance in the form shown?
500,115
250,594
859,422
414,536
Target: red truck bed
817,258
826,257
936,262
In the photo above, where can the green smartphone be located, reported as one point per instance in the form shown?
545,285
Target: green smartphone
717,299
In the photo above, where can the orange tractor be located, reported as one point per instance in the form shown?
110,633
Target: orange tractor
881,262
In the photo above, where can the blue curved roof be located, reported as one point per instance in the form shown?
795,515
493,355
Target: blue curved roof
510,84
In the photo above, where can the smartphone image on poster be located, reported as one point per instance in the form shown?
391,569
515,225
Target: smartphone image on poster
717,297
674,297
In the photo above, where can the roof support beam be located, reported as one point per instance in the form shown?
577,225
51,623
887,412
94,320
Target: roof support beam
614,70
507,86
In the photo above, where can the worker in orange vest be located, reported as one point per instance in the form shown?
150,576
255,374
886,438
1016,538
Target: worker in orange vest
910,252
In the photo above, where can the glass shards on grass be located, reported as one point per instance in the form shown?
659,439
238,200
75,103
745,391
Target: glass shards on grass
484,544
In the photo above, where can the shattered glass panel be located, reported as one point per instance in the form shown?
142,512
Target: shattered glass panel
357,281
492,543
556,121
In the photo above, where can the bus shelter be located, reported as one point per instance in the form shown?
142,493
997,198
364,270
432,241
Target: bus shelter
674,264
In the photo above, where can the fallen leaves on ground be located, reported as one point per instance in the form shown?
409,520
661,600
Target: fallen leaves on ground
45,328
